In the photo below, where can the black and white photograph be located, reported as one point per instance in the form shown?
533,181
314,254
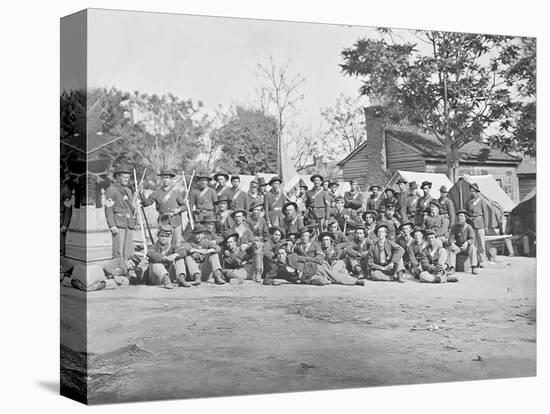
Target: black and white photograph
252,206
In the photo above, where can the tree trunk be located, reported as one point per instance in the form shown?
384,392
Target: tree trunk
452,161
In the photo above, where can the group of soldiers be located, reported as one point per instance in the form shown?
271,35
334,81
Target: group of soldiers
311,236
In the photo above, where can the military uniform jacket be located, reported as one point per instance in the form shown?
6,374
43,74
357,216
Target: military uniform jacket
239,200
233,259
353,200
225,221
269,250
447,208
288,270
409,256
203,200
273,206
318,203
430,257
392,252
157,253
205,244
421,205
375,204
223,190
165,202
438,224
354,219
460,234
292,224
477,209
66,207
393,226
412,205
359,249
312,249
401,208
333,253
245,234
253,199
119,210
259,228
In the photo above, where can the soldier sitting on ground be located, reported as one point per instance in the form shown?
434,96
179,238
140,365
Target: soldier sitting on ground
357,252
235,263
385,258
308,246
334,261
406,241
166,262
433,261
292,268
292,221
248,243
340,239
202,258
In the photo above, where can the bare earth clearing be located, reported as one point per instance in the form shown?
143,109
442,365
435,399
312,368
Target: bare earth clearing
149,343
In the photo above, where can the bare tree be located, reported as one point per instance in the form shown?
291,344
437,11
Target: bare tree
279,93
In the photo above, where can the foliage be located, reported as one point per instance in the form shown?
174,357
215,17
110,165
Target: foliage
248,142
454,88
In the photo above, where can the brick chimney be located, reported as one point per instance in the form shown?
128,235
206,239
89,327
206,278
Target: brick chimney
375,165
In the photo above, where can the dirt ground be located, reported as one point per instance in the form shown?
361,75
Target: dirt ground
148,343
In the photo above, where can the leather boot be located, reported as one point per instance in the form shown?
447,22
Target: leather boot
218,277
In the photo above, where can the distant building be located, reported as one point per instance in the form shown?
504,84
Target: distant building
387,150
527,175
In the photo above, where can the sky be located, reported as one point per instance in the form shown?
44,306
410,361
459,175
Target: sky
215,59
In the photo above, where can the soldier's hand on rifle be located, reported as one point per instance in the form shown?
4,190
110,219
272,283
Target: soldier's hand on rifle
114,230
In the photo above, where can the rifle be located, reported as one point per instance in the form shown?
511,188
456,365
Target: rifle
189,212
140,216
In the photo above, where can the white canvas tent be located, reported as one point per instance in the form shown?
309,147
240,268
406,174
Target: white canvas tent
437,180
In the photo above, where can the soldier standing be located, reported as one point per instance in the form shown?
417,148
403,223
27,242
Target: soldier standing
169,203
225,222
239,199
423,202
273,203
412,201
66,212
203,197
318,203
253,196
221,186
353,198
479,216
376,200
447,209
402,197
332,187
119,211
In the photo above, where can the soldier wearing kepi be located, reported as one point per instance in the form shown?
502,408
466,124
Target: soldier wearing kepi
273,203
169,203
462,242
479,217
203,197
119,211
423,202
318,203
353,198
166,262
447,209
